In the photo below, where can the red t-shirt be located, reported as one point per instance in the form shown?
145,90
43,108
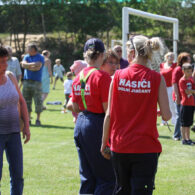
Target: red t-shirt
133,113
167,73
176,76
186,100
96,90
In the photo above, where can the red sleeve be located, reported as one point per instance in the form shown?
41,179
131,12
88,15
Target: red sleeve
182,86
161,66
174,65
193,84
104,87
175,76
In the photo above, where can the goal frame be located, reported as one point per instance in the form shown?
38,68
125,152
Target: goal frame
126,12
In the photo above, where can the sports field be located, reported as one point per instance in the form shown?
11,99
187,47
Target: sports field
51,162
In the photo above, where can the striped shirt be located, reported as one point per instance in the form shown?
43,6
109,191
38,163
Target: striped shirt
9,116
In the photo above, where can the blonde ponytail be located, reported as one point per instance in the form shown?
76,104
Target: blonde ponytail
145,47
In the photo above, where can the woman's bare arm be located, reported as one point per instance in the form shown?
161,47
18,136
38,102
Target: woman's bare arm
75,107
106,126
70,105
163,101
23,110
176,90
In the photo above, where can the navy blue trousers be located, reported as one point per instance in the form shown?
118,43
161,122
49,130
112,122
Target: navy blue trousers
12,145
96,173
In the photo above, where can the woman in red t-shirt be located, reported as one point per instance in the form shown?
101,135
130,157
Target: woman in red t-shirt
111,62
90,96
130,122
166,69
176,76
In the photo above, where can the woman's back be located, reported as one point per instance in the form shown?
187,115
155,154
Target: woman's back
134,110
96,90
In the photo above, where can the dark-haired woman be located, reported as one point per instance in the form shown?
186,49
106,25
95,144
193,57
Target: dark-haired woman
177,74
90,97
10,141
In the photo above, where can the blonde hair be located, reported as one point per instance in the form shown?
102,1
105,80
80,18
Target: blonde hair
91,55
144,47
168,54
116,47
45,52
194,57
57,60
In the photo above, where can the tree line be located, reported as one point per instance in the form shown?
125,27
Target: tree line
74,22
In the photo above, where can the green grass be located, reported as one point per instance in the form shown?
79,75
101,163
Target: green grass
51,162
3,35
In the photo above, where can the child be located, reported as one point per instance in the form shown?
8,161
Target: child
187,103
78,66
68,88
58,72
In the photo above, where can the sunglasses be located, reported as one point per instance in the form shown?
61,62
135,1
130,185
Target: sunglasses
112,64
118,51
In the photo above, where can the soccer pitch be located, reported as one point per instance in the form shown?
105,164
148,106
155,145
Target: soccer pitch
51,163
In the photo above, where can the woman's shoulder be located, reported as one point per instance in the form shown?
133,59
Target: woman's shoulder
156,74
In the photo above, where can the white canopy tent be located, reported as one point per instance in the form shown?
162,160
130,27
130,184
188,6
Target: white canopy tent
125,25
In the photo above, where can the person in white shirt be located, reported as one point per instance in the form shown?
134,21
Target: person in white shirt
13,65
67,88
58,72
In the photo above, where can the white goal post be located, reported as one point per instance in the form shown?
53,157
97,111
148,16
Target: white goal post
125,25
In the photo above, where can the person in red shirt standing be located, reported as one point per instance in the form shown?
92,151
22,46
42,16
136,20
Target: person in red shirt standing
166,69
177,74
187,103
130,122
89,97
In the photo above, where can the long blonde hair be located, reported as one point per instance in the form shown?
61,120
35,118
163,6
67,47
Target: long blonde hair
144,47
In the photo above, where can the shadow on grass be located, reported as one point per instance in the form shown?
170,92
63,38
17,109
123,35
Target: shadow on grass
53,110
164,137
52,127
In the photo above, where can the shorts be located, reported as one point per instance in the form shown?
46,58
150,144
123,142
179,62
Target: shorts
33,89
187,116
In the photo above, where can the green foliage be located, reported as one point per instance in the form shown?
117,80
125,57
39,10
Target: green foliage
61,49
81,20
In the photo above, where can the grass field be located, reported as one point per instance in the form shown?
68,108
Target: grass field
51,162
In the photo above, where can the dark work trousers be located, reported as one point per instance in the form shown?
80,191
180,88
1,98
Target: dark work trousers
96,173
135,173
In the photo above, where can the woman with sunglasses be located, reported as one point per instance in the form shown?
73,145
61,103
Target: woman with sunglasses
130,122
123,63
111,62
